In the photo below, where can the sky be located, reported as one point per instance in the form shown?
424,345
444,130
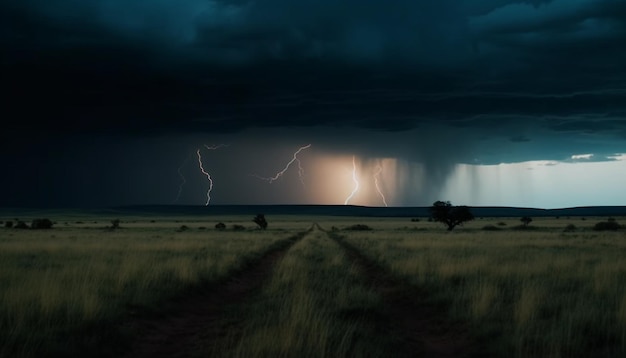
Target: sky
386,103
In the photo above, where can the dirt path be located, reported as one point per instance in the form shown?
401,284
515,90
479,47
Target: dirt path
195,319
184,330
422,327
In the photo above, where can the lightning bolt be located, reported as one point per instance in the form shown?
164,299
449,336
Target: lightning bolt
208,193
280,173
214,147
379,169
356,181
182,177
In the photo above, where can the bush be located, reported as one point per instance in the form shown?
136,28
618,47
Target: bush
359,227
237,227
501,223
606,225
115,224
21,225
415,220
220,226
183,228
8,224
41,224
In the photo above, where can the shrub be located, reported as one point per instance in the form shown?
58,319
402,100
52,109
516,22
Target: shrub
115,224
183,228
359,227
41,224
501,223
8,224
238,227
21,225
220,226
606,225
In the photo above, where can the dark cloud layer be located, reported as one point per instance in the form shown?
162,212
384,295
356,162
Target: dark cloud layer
505,80
178,64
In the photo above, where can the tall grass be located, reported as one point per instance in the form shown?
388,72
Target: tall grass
315,305
539,294
65,290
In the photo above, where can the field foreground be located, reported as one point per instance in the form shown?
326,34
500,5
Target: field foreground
312,286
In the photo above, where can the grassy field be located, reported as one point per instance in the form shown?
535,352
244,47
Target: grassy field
540,291
65,289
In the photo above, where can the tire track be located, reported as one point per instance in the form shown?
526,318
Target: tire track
184,330
422,327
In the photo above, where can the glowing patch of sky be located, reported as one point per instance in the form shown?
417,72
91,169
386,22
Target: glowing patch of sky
540,184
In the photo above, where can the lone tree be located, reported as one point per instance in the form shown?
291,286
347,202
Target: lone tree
526,220
260,220
445,213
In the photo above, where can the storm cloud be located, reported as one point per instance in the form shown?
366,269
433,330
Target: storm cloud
433,82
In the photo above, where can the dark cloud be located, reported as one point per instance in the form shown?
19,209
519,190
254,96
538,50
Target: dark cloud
176,65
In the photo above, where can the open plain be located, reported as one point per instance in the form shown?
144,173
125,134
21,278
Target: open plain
310,286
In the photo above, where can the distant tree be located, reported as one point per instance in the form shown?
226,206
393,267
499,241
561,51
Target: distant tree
8,224
451,216
526,220
260,220
41,224
21,225
220,226
115,224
